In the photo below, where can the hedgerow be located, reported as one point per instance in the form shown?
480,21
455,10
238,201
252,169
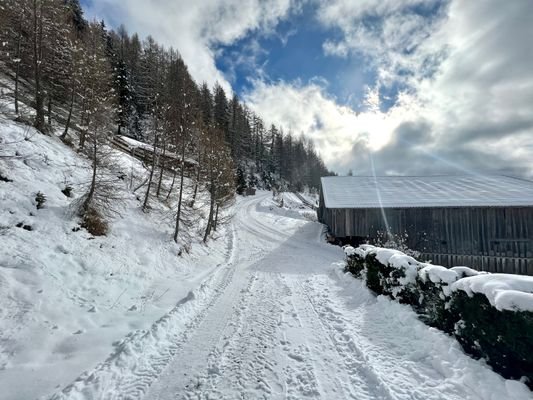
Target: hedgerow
459,302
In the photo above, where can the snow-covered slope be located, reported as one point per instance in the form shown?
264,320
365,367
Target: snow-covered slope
66,296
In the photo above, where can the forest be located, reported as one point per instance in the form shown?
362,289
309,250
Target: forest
97,83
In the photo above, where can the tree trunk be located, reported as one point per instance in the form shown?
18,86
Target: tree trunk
49,110
17,73
90,195
216,218
152,169
83,134
37,62
84,116
182,176
172,185
69,117
161,169
197,182
210,218
17,70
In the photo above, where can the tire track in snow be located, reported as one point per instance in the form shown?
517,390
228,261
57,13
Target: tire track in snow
141,357
258,228
243,364
352,374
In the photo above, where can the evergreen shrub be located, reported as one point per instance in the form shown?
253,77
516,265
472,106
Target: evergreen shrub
503,338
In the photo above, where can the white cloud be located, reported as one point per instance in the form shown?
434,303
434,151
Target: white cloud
195,28
467,106
386,32
334,129
467,71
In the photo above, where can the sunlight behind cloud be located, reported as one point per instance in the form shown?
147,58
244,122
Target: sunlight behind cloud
334,128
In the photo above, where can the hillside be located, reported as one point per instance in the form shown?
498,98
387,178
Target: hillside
66,294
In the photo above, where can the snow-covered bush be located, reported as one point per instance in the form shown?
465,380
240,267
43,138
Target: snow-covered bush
40,199
433,288
355,264
491,315
495,313
386,271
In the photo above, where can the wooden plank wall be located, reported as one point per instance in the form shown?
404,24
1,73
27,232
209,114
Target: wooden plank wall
495,239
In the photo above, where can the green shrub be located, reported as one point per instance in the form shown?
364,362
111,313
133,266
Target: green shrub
355,265
433,305
503,338
389,280
374,275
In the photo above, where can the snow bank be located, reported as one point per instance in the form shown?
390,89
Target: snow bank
504,291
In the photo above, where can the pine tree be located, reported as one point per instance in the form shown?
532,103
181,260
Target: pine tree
221,111
240,180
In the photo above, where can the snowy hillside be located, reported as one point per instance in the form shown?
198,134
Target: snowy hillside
66,296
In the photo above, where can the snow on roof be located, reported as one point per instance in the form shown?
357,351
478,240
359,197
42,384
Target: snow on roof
133,144
426,191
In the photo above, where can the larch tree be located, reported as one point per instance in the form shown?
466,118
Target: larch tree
220,177
100,104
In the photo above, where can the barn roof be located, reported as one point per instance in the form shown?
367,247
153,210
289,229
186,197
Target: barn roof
425,191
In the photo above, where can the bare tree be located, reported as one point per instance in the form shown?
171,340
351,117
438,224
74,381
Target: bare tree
100,195
220,174
153,67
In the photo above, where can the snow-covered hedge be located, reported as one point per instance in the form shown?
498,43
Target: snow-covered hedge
491,315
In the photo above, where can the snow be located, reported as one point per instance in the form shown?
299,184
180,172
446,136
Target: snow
350,251
389,257
466,271
134,144
67,296
426,191
504,291
438,274
264,312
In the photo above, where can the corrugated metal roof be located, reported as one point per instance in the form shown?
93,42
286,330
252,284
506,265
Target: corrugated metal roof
426,191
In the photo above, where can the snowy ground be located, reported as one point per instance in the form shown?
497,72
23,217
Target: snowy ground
279,320
264,312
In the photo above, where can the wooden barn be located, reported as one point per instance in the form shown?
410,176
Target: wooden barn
485,222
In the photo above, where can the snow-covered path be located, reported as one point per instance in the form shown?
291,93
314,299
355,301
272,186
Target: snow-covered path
281,321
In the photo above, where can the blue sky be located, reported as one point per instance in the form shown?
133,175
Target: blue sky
294,53
416,86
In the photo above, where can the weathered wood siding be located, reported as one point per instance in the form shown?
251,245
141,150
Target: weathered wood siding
496,239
